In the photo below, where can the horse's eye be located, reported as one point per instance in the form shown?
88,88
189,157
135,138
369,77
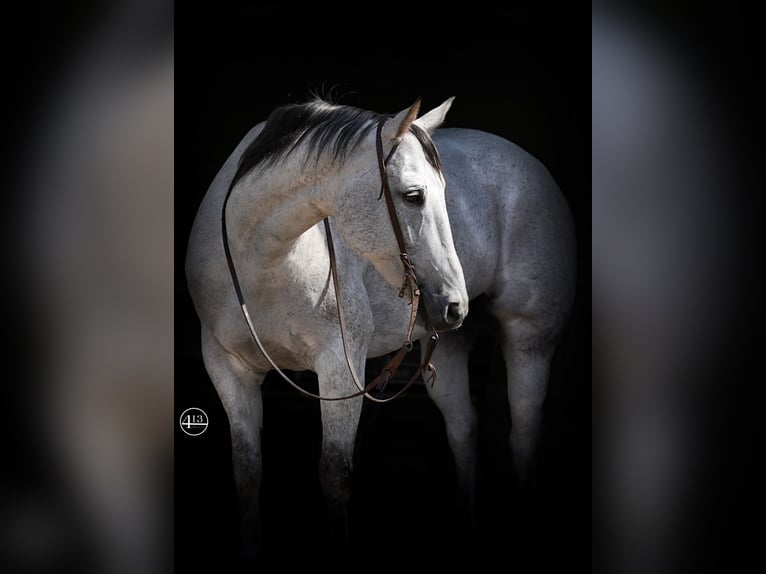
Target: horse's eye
415,196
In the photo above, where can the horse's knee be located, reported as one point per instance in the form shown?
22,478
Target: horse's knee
463,441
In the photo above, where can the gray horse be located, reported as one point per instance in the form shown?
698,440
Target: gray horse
502,229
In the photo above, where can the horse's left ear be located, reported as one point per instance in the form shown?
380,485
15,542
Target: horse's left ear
435,117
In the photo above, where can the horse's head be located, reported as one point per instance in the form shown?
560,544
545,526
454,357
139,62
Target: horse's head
417,188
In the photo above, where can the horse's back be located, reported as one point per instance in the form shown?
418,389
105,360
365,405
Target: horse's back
512,226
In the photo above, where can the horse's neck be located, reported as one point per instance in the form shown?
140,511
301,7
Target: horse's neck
269,211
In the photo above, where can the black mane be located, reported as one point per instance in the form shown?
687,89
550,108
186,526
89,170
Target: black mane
324,127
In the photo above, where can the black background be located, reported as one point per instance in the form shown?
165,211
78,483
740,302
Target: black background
520,75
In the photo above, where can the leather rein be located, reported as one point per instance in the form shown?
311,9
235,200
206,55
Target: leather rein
410,284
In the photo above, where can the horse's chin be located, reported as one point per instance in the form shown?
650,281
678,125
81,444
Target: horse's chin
424,321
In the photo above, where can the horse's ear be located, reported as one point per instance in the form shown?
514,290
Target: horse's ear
400,124
435,117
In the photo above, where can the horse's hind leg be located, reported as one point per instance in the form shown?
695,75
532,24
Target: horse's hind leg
451,394
239,389
528,358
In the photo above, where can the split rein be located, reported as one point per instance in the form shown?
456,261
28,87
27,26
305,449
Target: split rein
410,282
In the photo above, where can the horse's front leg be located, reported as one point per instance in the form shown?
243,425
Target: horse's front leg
451,394
339,425
239,389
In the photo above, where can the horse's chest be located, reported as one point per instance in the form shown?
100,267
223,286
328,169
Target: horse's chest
291,316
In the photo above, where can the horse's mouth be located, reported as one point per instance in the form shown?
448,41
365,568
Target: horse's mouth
440,325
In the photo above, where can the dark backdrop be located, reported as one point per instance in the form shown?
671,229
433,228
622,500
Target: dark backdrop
520,75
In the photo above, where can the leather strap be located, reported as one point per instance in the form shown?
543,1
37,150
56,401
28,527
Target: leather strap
410,280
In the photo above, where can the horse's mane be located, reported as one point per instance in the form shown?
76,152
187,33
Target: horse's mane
324,127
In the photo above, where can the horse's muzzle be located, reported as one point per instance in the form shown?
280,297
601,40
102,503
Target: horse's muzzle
444,312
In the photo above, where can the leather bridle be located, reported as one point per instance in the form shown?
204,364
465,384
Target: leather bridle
410,283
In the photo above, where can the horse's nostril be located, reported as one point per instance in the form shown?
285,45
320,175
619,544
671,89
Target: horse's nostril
453,313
